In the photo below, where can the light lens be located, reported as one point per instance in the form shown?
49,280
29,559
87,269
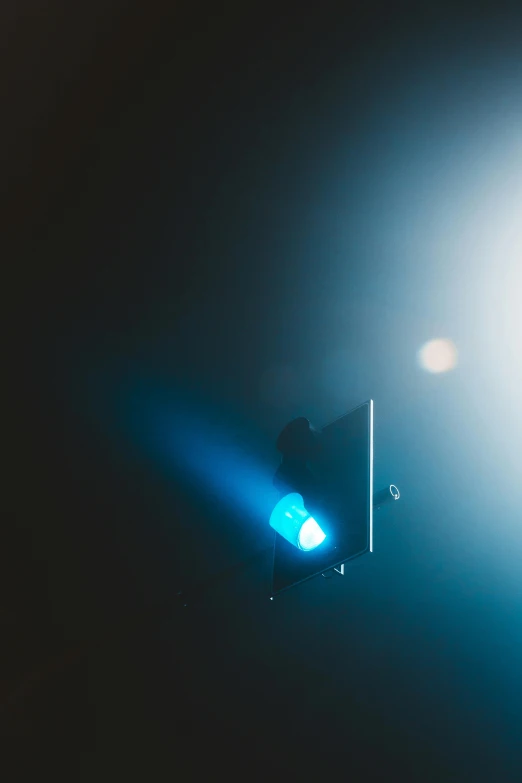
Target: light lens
310,535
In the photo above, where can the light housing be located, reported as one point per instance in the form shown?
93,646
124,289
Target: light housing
295,524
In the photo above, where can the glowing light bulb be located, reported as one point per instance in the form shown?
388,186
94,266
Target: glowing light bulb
292,521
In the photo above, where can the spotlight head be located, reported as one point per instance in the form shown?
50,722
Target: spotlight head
295,524
329,472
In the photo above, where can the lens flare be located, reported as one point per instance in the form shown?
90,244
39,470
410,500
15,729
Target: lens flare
438,356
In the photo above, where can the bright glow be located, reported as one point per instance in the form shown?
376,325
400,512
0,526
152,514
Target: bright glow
310,535
438,356
292,521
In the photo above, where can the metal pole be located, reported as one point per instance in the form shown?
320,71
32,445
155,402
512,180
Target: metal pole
385,495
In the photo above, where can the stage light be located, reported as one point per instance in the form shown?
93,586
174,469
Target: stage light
329,471
294,523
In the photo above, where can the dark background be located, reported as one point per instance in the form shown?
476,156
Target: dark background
217,218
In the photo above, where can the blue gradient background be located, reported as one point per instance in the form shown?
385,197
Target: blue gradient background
269,220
